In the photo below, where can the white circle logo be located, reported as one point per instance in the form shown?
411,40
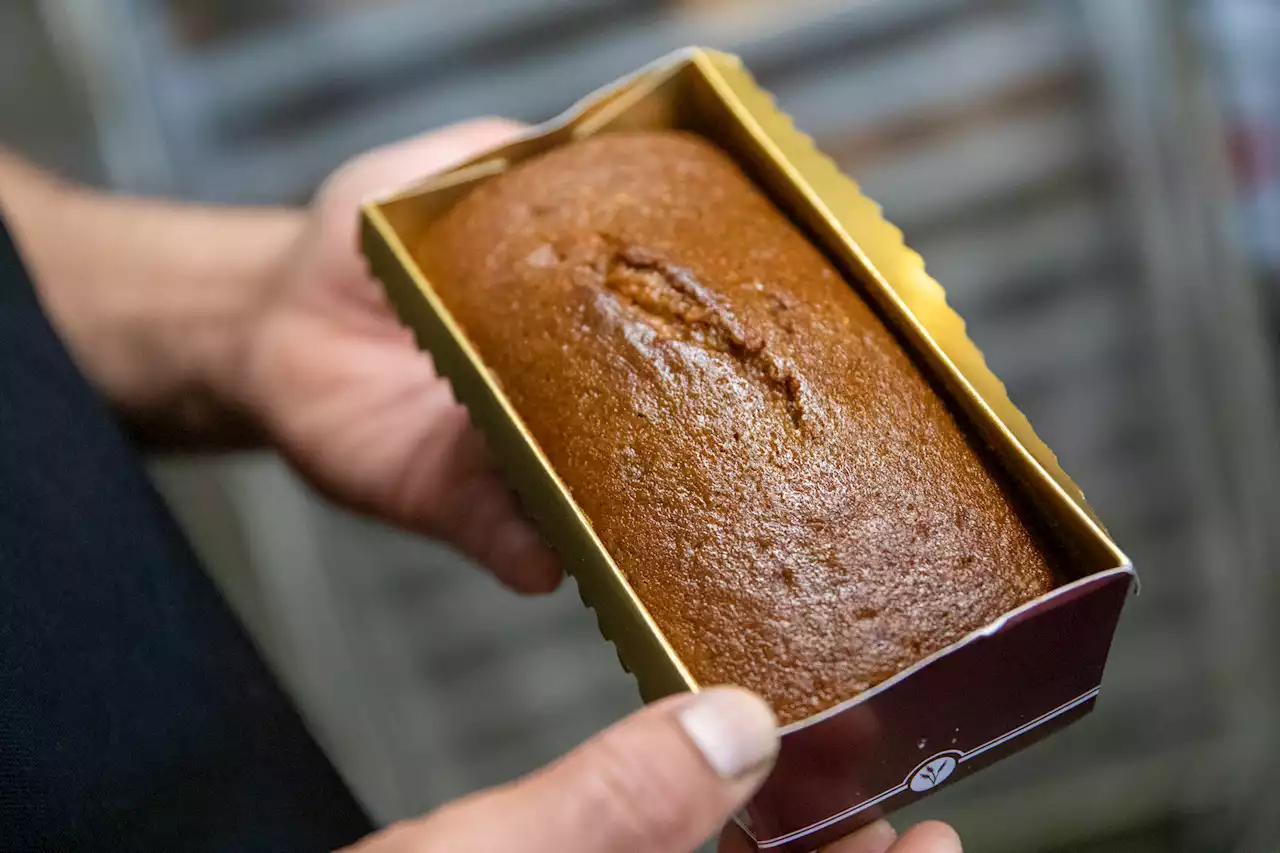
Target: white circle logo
933,772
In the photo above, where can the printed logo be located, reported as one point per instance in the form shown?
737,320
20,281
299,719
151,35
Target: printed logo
934,772
930,774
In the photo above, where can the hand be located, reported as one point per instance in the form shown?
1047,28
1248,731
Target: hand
342,391
661,781
220,327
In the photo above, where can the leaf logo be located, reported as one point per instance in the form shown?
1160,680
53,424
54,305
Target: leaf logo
933,772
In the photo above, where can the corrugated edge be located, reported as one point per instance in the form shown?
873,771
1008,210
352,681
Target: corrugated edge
990,629
885,257
897,271
380,239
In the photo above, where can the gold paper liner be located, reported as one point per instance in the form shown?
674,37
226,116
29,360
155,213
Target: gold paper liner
712,94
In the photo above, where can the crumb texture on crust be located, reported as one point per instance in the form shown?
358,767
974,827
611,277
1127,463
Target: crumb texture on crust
795,505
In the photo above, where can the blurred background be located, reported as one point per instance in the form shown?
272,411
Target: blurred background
1097,184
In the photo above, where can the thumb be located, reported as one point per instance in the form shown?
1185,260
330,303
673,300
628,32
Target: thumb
392,166
661,781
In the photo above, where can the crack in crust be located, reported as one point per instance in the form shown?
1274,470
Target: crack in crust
676,303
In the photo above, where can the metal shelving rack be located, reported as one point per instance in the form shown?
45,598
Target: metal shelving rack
1053,160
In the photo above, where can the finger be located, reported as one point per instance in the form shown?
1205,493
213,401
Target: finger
661,781
393,166
516,553
486,524
876,837
929,837
453,493
440,149
664,780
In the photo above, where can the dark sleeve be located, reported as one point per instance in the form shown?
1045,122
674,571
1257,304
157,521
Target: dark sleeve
134,713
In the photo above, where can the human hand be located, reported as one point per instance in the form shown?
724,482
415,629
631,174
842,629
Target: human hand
215,328
340,388
661,781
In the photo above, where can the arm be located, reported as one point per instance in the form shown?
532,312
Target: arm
212,328
152,299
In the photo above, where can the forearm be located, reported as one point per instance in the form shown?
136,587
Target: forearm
154,300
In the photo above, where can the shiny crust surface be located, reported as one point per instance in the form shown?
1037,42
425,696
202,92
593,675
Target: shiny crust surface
785,491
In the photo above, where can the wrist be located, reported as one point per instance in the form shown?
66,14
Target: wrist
222,371
180,376
154,301
187,380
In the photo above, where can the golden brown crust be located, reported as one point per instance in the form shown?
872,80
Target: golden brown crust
788,496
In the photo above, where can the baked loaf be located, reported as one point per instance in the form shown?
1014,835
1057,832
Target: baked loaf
783,488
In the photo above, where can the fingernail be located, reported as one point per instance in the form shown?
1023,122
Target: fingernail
734,729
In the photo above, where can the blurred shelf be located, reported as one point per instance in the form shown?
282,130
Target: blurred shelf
858,91
252,77
1088,326
988,259
1001,161
264,117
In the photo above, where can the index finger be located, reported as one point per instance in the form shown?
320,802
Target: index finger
873,838
878,837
